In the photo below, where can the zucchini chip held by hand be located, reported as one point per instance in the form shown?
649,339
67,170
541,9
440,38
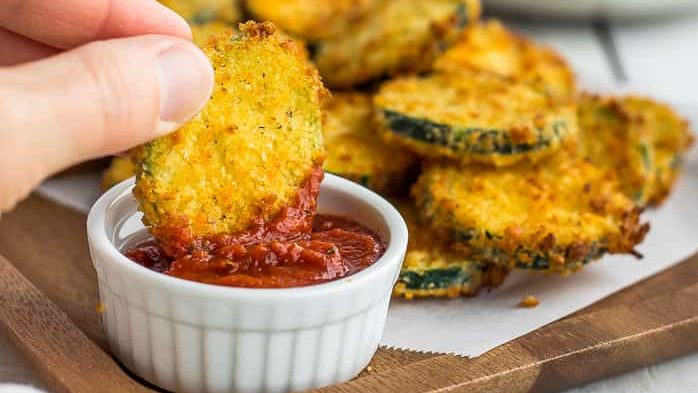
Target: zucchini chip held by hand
395,36
248,153
554,215
474,117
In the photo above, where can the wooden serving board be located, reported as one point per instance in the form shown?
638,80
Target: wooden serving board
48,298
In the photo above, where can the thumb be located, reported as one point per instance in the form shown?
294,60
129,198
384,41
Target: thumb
98,99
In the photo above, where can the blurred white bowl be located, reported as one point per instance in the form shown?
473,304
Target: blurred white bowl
620,9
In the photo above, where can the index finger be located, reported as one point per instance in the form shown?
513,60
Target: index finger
69,23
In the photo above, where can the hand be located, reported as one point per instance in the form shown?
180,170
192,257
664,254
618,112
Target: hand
85,78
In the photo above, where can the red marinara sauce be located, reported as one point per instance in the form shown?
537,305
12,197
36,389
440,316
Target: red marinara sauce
297,248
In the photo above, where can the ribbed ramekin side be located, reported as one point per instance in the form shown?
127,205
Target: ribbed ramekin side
148,335
196,358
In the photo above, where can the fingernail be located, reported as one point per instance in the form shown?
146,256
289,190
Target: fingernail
186,81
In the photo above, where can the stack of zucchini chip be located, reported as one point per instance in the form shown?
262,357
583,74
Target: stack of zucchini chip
476,133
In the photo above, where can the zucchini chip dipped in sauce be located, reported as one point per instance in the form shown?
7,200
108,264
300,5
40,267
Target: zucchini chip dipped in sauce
555,215
204,11
355,150
395,36
610,139
431,269
474,117
245,158
670,139
491,47
311,19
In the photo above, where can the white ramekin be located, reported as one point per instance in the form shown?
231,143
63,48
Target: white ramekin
191,337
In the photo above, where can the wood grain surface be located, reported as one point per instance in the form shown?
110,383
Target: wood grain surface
651,321
60,353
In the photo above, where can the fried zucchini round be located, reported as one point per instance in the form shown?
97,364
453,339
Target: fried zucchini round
612,140
490,47
474,117
247,153
356,151
311,19
431,269
201,33
670,138
555,215
119,169
396,36
204,11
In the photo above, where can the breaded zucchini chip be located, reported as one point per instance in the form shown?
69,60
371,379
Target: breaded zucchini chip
554,215
670,136
431,269
490,47
612,140
247,153
119,169
474,117
354,148
311,19
204,11
396,36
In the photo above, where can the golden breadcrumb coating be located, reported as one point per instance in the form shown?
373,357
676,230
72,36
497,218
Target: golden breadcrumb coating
474,117
311,19
554,215
247,153
491,47
356,151
671,138
432,269
397,36
119,169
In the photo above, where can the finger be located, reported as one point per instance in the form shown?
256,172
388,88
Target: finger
69,23
98,99
16,49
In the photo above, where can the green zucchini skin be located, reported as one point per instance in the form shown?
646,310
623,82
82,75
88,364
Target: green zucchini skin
464,278
441,277
470,140
472,117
